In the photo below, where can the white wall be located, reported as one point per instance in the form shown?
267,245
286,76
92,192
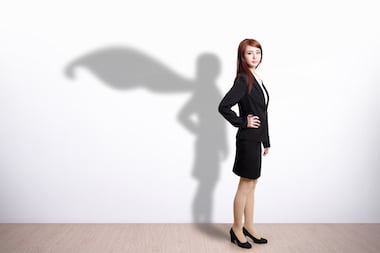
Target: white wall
81,150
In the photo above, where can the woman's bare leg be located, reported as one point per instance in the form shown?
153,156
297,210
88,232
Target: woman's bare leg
245,187
249,210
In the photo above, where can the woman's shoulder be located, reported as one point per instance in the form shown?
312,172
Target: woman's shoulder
241,82
242,77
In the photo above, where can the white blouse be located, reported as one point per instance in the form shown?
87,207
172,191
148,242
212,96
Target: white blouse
261,86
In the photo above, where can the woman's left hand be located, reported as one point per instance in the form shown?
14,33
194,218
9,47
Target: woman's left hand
266,151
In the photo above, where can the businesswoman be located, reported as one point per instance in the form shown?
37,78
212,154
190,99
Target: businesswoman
249,93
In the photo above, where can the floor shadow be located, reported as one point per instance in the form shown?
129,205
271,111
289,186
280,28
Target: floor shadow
124,68
215,231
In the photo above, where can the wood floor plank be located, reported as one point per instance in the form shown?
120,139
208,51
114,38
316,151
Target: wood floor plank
186,238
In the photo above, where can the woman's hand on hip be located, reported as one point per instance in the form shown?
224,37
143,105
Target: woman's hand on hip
253,121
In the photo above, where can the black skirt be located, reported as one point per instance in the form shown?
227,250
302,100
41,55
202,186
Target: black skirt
248,159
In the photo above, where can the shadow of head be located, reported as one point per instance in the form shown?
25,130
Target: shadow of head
208,67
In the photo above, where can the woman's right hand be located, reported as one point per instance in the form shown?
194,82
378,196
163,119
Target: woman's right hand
253,121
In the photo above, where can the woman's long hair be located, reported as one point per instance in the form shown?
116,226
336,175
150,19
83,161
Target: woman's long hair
242,66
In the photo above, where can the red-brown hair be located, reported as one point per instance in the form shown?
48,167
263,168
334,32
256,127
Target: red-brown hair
242,67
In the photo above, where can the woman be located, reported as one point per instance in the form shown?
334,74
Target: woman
252,98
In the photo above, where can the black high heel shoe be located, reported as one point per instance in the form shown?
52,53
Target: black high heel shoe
245,245
255,240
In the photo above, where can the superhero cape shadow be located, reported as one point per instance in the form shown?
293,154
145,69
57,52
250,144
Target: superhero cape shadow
127,68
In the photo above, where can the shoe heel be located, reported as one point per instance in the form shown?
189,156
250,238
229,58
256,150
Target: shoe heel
235,240
233,237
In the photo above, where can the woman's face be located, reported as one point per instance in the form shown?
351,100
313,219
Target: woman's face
252,56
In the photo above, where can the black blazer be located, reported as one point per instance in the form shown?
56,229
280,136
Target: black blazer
252,103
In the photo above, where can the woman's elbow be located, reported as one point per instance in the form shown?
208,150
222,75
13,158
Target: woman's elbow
221,108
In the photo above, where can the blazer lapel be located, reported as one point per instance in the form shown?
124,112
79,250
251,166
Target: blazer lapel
258,92
266,91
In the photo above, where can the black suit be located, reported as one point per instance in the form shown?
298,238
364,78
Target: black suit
248,140
252,103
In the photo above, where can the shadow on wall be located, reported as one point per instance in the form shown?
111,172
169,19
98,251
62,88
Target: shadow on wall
124,68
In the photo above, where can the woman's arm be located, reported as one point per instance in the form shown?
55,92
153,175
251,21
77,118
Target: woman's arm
233,96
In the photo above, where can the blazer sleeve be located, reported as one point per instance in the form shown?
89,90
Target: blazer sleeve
266,142
233,96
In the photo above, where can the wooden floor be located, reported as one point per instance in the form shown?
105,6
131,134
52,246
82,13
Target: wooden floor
182,238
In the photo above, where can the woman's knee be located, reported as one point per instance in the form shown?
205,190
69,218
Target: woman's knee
247,184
